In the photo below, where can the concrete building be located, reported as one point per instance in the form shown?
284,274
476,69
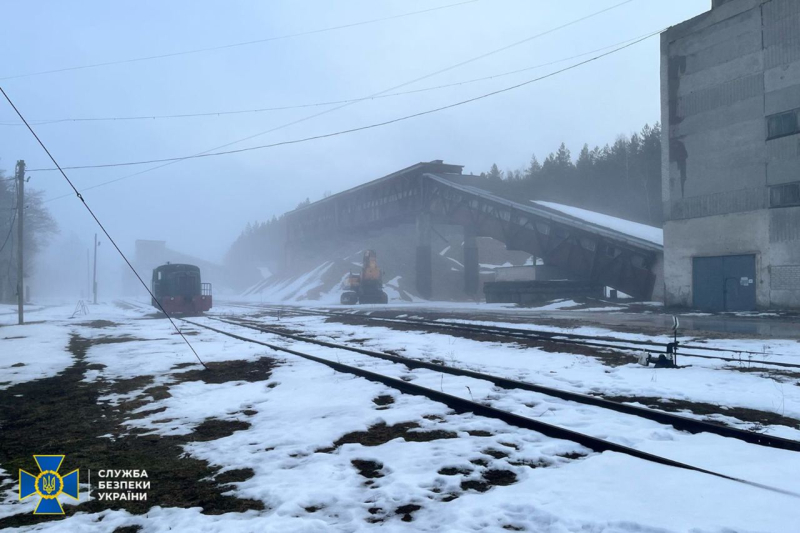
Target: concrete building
730,82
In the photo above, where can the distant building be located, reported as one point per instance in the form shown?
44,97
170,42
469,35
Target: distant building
730,82
149,254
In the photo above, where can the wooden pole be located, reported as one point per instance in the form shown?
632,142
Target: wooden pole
20,248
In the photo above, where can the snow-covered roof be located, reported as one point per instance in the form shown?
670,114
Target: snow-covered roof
548,212
634,229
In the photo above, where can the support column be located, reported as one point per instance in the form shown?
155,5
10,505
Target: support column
471,267
424,264
290,238
289,257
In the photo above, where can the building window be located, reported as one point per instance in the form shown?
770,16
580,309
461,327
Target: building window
782,124
787,195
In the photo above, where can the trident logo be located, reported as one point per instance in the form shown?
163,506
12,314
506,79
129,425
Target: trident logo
48,484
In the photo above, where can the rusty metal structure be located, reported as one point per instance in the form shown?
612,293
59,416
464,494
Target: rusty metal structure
432,193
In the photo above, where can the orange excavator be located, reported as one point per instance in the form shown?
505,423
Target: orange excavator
367,287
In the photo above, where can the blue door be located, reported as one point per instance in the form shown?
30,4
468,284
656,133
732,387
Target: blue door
724,283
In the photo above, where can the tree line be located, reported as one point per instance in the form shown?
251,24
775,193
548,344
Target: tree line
38,227
622,179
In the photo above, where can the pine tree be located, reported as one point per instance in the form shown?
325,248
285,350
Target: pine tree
495,174
584,162
563,158
534,169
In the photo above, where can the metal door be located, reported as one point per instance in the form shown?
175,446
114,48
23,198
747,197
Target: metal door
725,283
740,282
707,283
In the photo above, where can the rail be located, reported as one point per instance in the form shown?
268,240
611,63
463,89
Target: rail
681,423
464,405
544,336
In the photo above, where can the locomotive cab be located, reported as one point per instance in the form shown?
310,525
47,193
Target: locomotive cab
179,290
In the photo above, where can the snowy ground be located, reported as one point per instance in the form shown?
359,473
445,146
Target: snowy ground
424,468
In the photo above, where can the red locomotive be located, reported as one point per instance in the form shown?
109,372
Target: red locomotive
179,290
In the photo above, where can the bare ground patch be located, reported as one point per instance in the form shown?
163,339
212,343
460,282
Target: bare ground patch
98,324
608,357
367,468
381,434
63,415
672,405
777,374
225,371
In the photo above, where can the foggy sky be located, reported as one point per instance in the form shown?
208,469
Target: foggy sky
200,206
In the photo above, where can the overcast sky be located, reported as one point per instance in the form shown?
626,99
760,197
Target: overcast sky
200,206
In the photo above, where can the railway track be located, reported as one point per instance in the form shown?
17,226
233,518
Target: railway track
463,405
680,423
605,342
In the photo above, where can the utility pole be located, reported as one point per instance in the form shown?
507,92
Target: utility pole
20,218
94,274
88,276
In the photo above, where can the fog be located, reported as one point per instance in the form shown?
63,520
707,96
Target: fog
199,206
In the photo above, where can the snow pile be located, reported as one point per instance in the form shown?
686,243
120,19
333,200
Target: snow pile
321,285
294,288
558,304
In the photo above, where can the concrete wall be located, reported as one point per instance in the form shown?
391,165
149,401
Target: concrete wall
723,73
784,256
733,234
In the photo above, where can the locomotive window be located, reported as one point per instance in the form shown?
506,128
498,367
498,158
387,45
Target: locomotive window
159,276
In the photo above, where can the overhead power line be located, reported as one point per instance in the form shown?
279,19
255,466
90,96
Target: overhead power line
236,45
388,90
41,122
353,130
97,220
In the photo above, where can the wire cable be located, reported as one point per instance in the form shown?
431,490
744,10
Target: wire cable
236,45
177,160
315,115
42,122
352,130
111,239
